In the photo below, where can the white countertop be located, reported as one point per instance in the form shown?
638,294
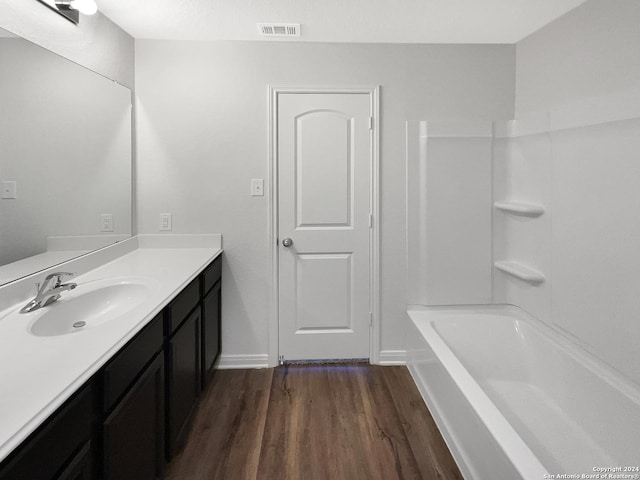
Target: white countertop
37,374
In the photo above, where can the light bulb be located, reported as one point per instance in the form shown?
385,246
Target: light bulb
86,7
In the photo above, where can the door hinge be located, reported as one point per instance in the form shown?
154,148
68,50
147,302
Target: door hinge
370,319
370,220
370,123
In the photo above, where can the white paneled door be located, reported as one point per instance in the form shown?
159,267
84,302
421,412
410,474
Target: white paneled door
324,143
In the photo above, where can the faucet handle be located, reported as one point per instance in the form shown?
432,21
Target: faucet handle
58,276
64,274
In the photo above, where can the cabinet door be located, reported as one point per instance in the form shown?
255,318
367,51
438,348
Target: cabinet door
183,380
128,364
134,432
210,331
80,466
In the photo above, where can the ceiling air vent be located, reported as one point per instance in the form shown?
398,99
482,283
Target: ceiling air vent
279,29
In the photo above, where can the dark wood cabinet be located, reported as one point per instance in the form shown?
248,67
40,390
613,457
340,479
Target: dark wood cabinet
128,364
178,310
81,465
183,380
211,305
133,434
136,411
57,447
211,275
133,408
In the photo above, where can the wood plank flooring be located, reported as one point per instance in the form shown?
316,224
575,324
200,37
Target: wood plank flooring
313,422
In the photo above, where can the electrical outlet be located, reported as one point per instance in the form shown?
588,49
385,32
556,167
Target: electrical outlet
9,190
257,187
106,222
165,222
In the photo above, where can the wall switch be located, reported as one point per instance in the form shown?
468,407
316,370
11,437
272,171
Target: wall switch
9,189
106,222
257,187
165,221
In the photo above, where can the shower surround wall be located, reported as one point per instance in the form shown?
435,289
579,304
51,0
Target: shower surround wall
577,153
522,163
449,212
565,203
584,170
573,150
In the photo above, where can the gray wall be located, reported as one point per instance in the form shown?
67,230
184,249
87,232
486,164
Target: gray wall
96,43
203,134
593,50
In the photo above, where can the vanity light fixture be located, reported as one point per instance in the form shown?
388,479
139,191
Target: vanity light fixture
86,7
70,9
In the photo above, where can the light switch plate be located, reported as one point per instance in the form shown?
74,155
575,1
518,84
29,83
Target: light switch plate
9,189
257,187
165,222
106,222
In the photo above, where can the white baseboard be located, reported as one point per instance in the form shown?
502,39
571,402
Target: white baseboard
393,357
227,362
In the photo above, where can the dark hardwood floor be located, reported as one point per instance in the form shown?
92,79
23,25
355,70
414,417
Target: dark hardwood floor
324,422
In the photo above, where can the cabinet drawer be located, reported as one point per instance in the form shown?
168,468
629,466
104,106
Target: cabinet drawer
184,303
49,452
129,363
212,274
210,332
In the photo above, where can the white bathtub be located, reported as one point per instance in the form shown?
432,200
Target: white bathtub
514,399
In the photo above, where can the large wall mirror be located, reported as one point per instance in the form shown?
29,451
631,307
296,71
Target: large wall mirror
65,159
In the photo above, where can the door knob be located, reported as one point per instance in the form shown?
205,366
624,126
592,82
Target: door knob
287,242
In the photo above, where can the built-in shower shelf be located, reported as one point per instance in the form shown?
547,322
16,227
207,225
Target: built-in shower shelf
520,208
520,270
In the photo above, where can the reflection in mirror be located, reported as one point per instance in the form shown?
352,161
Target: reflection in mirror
70,9
65,159
63,9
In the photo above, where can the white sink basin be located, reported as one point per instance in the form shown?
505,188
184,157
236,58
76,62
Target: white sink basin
89,305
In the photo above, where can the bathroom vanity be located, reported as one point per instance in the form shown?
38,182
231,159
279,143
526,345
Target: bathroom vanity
114,401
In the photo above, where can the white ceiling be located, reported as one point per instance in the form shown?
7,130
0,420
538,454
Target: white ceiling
376,21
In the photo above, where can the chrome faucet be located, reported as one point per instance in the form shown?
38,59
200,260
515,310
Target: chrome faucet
49,291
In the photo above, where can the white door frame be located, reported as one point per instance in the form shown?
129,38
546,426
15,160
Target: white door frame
374,199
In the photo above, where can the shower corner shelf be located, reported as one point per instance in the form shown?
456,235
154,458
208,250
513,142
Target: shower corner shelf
521,271
520,208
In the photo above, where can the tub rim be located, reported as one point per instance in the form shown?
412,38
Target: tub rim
558,336
509,441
